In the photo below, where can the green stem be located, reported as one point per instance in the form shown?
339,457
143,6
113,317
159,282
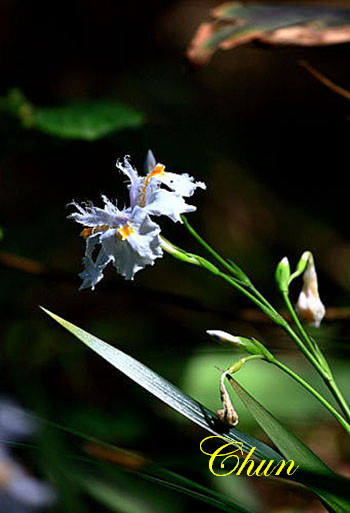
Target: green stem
326,371
210,250
333,387
232,269
262,298
288,329
255,296
260,301
297,322
314,392
270,312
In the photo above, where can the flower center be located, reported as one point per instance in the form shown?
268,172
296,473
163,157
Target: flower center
124,232
158,170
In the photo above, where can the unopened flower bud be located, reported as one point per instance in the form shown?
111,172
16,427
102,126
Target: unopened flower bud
309,305
302,264
282,275
249,345
223,336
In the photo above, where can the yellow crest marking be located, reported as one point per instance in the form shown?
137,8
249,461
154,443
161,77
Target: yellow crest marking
158,170
125,231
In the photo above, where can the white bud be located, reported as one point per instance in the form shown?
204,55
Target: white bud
224,337
309,305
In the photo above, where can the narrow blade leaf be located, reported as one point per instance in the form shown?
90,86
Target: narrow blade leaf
293,448
167,392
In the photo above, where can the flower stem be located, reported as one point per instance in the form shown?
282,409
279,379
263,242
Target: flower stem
326,371
297,322
333,387
253,294
314,392
250,292
210,250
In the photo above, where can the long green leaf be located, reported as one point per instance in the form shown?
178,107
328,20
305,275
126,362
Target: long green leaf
167,392
293,448
290,446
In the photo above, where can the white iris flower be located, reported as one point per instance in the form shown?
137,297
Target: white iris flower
160,192
128,238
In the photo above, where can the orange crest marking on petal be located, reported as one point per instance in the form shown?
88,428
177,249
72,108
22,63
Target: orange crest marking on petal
124,232
89,231
86,233
158,170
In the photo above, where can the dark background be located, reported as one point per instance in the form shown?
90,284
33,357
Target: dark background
272,145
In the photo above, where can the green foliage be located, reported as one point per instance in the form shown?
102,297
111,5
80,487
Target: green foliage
87,121
292,448
90,120
165,391
107,488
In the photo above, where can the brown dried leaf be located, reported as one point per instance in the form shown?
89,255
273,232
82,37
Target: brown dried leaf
236,23
307,35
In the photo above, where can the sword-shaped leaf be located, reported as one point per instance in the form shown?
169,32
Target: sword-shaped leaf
313,470
167,392
293,448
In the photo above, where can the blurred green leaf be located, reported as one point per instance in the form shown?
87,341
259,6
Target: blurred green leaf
292,448
88,120
199,378
181,484
114,497
113,456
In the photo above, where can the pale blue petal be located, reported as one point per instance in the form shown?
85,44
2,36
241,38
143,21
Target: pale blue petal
138,249
135,179
166,203
93,270
183,184
15,422
89,215
8,504
29,490
150,162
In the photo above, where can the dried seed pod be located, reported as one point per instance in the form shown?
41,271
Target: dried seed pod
228,414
